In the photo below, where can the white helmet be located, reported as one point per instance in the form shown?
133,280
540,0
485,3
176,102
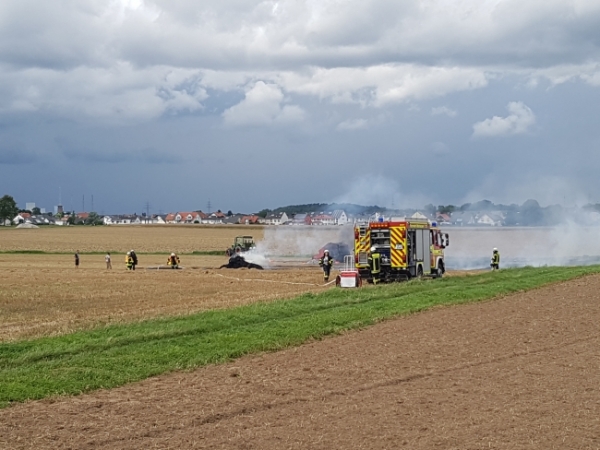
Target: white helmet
131,250
495,249
172,254
325,251
128,253
373,249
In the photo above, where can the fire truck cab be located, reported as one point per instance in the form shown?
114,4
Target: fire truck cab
408,248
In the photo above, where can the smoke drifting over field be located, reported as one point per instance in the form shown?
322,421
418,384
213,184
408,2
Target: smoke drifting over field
281,243
470,247
566,245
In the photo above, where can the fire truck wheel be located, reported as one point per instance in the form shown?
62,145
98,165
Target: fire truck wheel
440,270
420,272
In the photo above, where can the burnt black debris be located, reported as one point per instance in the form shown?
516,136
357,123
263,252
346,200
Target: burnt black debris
238,262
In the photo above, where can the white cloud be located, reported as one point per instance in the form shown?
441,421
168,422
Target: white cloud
381,85
372,54
443,110
116,94
352,124
520,119
263,105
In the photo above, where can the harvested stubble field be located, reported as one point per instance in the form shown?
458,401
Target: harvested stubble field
121,238
46,295
43,294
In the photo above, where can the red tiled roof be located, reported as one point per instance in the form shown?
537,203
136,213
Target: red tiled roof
249,219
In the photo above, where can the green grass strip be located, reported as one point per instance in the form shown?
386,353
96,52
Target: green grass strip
115,355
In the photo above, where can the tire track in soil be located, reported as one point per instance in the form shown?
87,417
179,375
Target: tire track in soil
518,372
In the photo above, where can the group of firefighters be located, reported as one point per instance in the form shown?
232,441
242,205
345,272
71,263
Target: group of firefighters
131,260
326,263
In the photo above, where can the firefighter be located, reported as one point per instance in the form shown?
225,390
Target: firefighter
495,264
134,258
326,262
173,261
375,264
129,261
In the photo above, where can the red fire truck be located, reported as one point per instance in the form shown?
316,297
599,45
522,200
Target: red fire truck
407,248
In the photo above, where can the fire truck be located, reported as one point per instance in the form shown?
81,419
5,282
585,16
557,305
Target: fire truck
408,248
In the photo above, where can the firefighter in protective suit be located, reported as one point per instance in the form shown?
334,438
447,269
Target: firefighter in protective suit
129,261
173,261
495,263
375,264
326,262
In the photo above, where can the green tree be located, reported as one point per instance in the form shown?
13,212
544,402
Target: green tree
263,213
8,209
36,211
446,209
93,219
72,218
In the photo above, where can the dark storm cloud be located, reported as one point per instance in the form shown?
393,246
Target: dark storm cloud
145,156
15,156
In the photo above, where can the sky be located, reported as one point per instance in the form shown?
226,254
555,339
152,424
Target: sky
169,105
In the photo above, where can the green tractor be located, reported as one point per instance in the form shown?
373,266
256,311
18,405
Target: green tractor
241,244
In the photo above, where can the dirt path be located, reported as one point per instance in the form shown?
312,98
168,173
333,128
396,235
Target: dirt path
516,373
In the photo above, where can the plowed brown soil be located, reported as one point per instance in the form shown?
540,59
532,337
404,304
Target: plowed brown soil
521,372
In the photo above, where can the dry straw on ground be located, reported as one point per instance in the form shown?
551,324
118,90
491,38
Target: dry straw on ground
143,238
46,294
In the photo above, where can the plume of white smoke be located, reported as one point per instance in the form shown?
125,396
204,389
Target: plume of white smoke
564,245
382,191
546,189
296,243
